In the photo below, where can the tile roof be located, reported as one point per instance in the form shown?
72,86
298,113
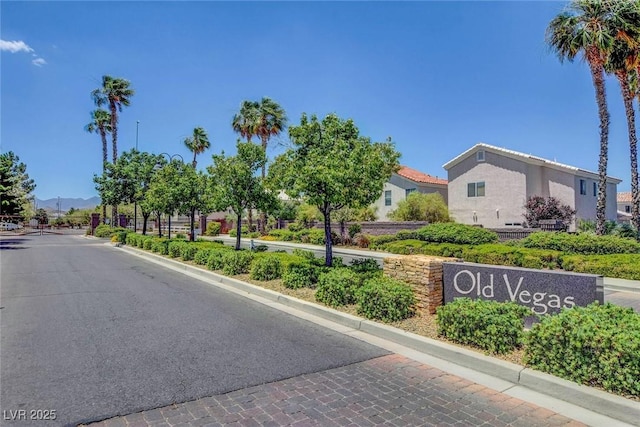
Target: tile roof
417,176
528,158
624,197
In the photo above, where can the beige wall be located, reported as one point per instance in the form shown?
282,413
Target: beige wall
505,191
398,186
508,184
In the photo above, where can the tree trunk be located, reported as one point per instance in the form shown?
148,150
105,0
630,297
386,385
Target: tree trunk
328,255
597,74
238,231
263,216
114,145
627,97
145,217
159,226
105,159
250,218
192,237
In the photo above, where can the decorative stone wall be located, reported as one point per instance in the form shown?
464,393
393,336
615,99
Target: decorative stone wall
423,273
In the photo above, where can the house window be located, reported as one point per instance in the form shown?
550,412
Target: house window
627,208
480,156
583,187
387,198
595,189
409,191
475,189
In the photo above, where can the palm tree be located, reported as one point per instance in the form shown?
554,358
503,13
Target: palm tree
263,119
115,92
197,143
623,62
245,121
101,124
586,28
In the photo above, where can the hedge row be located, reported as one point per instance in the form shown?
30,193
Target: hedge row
623,266
582,243
596,345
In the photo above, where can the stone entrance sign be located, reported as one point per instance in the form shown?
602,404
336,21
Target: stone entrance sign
544,291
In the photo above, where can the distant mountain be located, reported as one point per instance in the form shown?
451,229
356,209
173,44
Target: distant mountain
68,203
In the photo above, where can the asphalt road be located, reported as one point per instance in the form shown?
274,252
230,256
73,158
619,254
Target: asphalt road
89,332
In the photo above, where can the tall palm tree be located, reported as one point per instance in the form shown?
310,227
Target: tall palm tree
197,143
623,62
244,123
585,28
272,120
115,92
101,124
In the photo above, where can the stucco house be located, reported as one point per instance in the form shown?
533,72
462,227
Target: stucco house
624,207
489,186
403,183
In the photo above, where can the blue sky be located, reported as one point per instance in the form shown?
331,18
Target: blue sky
438,77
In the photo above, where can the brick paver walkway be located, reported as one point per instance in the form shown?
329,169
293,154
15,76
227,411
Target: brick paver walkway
391,390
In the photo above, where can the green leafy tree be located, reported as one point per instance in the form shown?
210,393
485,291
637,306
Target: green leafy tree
41,216
15,186
421,207
263,119
192,186
116,93
166,191
332,166
132,175
101,124
588,28
233,183
197,143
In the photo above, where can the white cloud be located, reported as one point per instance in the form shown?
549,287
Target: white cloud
39,62
14,46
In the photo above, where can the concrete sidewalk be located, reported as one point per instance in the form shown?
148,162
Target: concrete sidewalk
585,404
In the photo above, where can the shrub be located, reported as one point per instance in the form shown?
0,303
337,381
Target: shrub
261,248
496,327
456,233
147,244
236,262
175,248
377,242
266,268
429,207
406,235
365,265
621,266
385,299
121,236
354,229
213,228
202,256
337,287
300,274
597,345
160,246
215,260
180,236
188,251
106,231
583,243
132,239
362,240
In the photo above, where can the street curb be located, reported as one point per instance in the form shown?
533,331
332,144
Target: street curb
595,400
